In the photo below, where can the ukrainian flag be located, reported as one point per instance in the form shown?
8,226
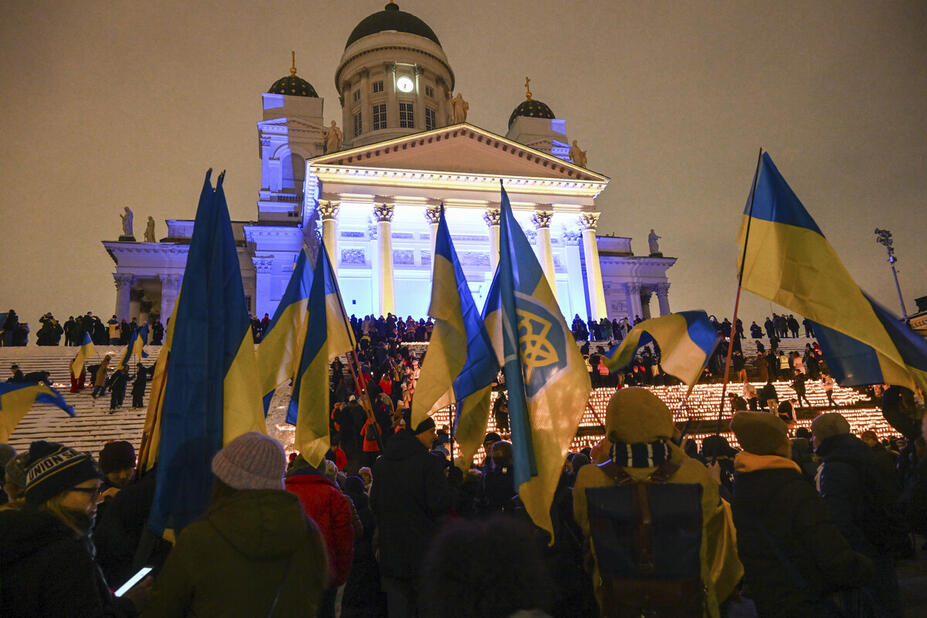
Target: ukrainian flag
473,411
328,335
17,398
211,393
788,260
685,339
460,359
135,348
280,349
545,374
85,351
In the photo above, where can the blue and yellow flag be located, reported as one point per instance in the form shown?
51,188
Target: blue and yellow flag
546,377
135,348
460,359
211,393
686,341
85,351
17,398
280,349
788,260
328,335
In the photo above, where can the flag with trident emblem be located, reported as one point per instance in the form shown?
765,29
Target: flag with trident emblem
547,380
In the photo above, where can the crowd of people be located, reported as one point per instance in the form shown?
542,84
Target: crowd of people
810,524
114,331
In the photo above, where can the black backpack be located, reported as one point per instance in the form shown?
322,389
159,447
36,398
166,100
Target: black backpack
647,538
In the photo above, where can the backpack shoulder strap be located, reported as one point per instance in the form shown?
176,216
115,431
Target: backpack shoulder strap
615,472
665,472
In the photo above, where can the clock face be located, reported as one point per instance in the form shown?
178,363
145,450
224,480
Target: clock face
405,84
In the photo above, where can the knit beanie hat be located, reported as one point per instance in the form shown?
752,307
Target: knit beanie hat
761,433
251,461
829,425
55,469
424,426
117,455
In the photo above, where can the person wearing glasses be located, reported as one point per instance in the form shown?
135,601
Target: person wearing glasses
46,555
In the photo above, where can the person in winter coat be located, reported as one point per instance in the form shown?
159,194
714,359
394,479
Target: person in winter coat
99,377
859,495
409,497
793,554
255,553
362,595
332,512
138,385
46,555
635,416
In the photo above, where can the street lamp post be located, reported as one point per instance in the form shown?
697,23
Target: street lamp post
884,237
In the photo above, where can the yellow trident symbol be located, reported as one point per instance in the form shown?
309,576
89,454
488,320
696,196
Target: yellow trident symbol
536,349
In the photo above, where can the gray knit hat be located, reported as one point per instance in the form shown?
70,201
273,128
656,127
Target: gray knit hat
828,425
251,461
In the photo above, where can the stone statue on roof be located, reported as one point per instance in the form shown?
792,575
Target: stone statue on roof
459,109
333,138
653,239
578,155
149,230
127,222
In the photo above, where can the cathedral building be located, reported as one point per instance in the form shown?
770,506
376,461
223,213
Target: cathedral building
372,188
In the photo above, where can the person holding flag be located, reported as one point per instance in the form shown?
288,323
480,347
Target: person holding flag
78,373
447,375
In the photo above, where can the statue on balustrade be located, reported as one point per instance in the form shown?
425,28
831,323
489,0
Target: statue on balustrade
127,222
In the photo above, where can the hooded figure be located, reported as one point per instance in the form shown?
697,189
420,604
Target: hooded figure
635,416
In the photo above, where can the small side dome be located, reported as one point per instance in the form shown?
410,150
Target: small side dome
530,107
293,85
391,18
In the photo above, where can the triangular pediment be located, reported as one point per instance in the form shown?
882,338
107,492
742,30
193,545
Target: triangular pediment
460,148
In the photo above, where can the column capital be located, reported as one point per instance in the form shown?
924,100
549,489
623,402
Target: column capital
541,218
433,214
383,211
571,236
589,220
492,216
662,289
263,264
170,281
121,280
328,209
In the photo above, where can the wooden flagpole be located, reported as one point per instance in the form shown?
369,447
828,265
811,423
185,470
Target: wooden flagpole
740,278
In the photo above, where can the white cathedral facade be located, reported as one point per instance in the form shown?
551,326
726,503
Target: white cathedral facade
405,149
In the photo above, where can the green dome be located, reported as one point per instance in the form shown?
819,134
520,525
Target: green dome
532,109
293,86
391,18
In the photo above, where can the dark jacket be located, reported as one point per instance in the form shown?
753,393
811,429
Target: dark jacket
409,496
45,570
251,545
850,476
775,506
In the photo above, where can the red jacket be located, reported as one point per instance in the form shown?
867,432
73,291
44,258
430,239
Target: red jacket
324,503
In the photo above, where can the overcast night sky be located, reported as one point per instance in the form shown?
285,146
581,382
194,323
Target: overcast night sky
108,104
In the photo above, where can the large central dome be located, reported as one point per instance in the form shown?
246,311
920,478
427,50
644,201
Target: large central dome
391,18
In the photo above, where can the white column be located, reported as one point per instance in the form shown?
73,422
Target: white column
541,220
574,267
663,298
634,303
383,212
170,288
123,282
598,308
328,212
492,217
